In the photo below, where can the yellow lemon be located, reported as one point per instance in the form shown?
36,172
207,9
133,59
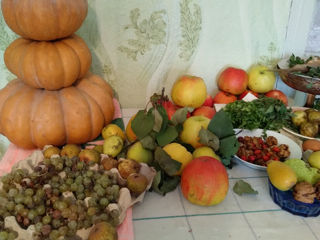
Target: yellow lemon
111,130
179,153
205,151
112,145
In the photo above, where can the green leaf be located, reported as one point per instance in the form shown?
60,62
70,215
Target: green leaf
221,125
119,122
209,139
228,146
167,164
180,115
241,187
142,124
169,135
163,183
164,116
157,120
148,142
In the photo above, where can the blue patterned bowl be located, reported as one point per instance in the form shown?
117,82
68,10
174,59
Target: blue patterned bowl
286,201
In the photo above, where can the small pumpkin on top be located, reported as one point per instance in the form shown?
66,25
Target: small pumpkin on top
44,20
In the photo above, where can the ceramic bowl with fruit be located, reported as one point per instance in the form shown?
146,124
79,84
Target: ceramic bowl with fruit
256,150
304,123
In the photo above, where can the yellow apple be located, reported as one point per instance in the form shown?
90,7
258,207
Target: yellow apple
205,151
138,153
189,91
314,159
261,79
191,129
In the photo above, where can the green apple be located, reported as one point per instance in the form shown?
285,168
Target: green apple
261,79
138,153
191,129
314,159
205,151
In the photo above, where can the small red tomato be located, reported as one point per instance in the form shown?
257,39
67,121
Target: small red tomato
275,149
258,151
251,158
266,158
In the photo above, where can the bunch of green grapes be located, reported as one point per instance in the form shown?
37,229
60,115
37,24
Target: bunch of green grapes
43,197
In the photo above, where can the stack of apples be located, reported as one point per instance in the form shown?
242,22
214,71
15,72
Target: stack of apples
235,83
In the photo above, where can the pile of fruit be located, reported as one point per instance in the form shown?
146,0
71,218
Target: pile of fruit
306,122
302,177
234,84
67,192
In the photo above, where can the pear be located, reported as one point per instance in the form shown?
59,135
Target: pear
109,163
70,150
137,183
98,148
89,156
103,231
138,153
127,167
51,151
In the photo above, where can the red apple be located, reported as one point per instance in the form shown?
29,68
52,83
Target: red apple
170,108
208,102
233,80
204,181
242,95
224,97
277,94
206,111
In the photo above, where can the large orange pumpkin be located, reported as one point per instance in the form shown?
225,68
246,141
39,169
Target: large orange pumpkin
50,65
46,19
31,117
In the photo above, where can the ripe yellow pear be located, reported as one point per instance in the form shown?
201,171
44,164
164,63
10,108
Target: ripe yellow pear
314,159
138,153
281,175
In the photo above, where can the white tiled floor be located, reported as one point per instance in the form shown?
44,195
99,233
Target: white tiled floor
247,217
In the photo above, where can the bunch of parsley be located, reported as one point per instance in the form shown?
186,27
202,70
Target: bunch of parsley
264,113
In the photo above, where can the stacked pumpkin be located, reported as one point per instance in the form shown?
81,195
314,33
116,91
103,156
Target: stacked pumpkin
55,100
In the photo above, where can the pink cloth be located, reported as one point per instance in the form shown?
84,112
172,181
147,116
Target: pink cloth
15,154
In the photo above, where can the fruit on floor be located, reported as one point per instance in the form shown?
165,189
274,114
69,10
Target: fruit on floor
111,130
89,156
205,151
131,136
137,183
109,163
261,79
191,129
127,167
51,151
179,153
112,146
70,150
281,175
103,231
138,153
311,144
189,91
204,181
314,159
233,80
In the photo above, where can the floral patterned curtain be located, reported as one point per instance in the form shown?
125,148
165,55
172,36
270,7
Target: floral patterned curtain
141,46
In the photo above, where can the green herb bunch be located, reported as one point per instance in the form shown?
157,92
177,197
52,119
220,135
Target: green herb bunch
264,113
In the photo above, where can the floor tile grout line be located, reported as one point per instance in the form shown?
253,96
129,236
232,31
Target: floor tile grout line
245,218
314,234
185,213
206,214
